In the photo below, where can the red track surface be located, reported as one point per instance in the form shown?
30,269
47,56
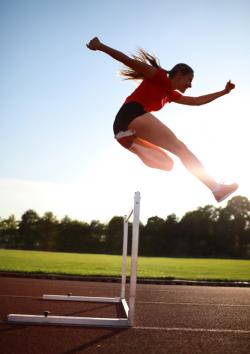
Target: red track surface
169,319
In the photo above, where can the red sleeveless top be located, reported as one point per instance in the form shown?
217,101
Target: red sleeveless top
153,93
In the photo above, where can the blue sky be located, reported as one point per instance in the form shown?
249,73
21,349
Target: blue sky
58,102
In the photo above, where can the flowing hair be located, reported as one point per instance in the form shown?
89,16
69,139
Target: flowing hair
143,56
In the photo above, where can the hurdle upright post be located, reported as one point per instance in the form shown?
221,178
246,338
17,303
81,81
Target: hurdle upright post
134,257
124,254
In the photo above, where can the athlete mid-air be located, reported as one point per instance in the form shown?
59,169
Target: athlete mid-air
139,131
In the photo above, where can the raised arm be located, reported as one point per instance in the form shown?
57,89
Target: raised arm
142,68
200,100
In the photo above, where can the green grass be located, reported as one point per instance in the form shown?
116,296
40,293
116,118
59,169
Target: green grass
106,265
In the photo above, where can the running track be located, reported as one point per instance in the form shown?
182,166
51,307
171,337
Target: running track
170,319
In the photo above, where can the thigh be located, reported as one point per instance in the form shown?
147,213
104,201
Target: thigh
150,128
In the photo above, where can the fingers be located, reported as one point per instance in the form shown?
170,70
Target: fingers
90,44
229,86
93,44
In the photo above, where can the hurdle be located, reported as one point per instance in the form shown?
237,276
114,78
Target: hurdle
127,307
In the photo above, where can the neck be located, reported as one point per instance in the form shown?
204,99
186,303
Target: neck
173,84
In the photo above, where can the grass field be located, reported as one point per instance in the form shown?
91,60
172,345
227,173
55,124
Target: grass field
106,265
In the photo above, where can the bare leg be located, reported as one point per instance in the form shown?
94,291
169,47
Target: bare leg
152,155
154,131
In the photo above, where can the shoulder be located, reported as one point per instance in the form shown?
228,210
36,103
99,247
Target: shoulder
161,73
160,76
175,96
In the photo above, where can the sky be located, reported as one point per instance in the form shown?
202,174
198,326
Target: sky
58,101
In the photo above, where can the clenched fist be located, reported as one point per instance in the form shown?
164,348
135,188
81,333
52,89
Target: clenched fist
94,44
229,86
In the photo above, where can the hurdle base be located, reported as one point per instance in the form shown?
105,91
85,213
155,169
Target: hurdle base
70,321
81,298
75,321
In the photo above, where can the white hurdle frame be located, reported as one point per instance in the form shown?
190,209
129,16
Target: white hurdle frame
128,308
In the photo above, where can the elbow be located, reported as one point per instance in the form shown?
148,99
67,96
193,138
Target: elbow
198,101
193,101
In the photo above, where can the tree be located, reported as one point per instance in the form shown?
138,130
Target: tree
29,236
233,228
97,237
73,236
47,228
9,232
152,237
171,234
114,235
197,232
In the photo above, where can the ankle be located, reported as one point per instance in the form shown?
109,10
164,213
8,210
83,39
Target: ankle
215,187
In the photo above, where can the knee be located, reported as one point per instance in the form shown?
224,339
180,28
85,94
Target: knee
164,163
168,165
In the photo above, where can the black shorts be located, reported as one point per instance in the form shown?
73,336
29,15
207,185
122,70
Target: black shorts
127,113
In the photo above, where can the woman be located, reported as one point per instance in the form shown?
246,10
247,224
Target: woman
139,131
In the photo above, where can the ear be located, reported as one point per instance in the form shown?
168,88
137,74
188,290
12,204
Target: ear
178,75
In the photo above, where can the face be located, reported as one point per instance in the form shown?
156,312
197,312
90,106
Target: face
183,82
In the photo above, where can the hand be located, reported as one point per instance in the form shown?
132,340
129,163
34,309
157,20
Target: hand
94,44
229,86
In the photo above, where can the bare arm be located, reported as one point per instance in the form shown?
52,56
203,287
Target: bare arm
200,100
142,68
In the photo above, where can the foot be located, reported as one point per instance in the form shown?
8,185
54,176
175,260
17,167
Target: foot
224,191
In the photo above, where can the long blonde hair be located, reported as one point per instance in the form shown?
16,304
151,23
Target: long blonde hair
143,56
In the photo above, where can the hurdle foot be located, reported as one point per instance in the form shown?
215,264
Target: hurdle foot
46,313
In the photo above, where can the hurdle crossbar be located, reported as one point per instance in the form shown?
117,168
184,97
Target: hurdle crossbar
128,307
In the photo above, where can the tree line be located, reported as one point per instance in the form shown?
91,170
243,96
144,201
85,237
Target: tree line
205,232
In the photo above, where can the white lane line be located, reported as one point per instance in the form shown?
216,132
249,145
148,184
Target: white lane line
190,304
206,330
176,329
